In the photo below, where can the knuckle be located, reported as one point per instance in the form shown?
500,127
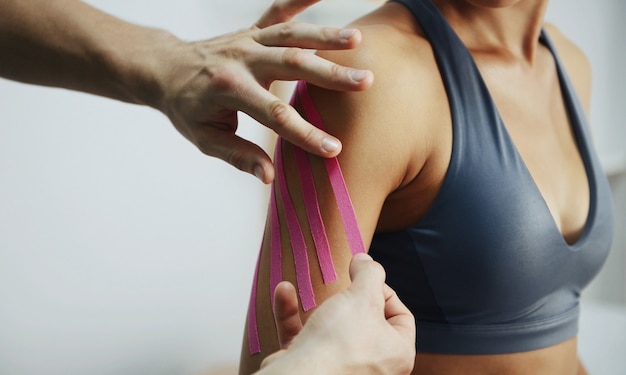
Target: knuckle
286,126
337,72
309,136
377,268
381,270
294,57
241,50
237,158
280,113
392,294
222,77
328,34
234,48
206,147
287,30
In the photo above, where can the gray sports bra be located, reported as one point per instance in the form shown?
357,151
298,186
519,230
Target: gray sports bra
486,270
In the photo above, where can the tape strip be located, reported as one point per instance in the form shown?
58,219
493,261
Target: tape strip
298,245
318,230
311,204
338,183
253,331
276,248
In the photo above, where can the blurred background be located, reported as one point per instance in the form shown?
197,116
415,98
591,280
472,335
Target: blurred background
124,250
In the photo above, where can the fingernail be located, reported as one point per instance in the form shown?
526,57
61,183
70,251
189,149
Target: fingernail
358,75
363,256
330,145
346,34
258,172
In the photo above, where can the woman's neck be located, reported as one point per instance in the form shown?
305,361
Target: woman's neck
511,31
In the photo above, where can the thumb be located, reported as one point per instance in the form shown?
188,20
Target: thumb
368,277
286,314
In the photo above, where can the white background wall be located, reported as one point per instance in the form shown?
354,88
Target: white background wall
123,250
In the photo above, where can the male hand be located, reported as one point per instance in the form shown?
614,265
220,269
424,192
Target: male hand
364,329
211,80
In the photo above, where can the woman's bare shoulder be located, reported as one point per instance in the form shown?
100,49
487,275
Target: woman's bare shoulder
576,63
392,39
398,106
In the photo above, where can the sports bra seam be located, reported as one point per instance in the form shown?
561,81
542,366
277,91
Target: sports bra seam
540,323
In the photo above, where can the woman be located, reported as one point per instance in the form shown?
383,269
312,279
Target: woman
473,179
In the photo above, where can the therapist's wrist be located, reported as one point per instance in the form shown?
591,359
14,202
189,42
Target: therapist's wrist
313,359
142,66
323,358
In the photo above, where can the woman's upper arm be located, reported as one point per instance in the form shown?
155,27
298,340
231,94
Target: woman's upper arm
309,236
372,165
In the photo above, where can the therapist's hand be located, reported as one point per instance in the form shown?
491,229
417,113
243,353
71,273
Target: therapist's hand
209,82
365,329
200,86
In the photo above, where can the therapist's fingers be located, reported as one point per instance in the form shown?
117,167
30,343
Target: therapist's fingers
306,35
283,11
236,151
286,313
289,64
398,315
293,63
368,281
279,116
368,277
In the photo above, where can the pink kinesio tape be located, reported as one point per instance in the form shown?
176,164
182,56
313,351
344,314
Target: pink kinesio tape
338,183
298,245
253,331
316,223
311,204
276,248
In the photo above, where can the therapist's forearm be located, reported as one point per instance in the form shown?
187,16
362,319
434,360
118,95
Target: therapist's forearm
69,44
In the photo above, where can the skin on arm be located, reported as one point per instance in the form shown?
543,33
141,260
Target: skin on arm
200,86
370,124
